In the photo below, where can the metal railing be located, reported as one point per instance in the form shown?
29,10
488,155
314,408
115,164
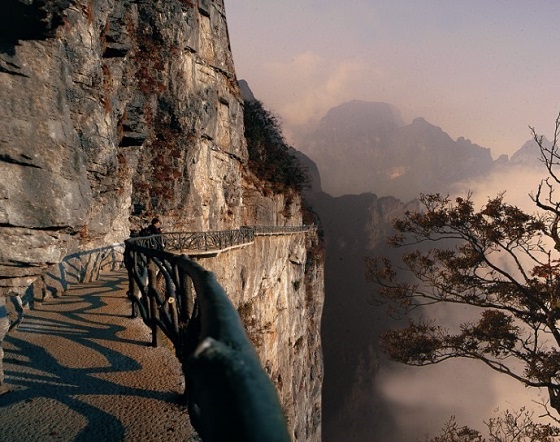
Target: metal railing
230,396
197,241
281,230
186,242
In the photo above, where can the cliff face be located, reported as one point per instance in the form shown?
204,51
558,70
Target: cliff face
351,324
275,285
117,111
119,105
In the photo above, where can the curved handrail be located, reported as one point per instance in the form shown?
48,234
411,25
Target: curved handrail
228,392
235,396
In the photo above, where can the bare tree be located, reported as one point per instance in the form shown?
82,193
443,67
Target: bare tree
500,260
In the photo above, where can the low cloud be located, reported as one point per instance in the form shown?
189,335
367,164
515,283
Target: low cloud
517,182
308,85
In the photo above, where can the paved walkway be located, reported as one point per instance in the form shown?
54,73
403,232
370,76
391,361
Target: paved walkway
82,370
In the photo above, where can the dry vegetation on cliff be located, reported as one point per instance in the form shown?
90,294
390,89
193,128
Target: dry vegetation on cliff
269,156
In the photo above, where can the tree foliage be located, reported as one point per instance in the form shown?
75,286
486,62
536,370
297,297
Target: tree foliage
510,426
499,260
269,156
453,432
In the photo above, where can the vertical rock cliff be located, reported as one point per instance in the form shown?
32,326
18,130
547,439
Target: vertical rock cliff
116,111
354,409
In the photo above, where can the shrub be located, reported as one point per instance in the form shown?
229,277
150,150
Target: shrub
269,155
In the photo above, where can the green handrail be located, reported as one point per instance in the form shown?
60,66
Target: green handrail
229,394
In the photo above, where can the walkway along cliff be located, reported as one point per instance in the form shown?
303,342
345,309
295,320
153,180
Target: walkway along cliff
116,111
227,391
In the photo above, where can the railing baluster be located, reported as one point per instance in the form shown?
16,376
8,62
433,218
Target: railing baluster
172,308
130,258
186,298
153,295
177,282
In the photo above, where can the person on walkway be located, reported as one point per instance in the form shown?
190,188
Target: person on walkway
155,227
11,313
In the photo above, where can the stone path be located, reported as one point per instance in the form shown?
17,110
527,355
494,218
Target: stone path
81,370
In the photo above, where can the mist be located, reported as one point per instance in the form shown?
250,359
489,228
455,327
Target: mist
516,182
367,397
482,69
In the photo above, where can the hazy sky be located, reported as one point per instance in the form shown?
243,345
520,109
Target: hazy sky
482,69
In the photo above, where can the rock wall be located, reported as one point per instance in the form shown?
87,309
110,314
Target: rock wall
114,108
277,286
117,111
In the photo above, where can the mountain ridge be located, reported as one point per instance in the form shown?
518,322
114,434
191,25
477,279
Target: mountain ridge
362,146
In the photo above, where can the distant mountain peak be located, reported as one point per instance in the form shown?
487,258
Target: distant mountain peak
362,146
420,120
529,154
246,91
359,110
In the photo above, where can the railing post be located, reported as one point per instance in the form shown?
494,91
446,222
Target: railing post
154,310
184,293
172,308
130,261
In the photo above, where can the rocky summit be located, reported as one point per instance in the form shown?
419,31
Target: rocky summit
363,146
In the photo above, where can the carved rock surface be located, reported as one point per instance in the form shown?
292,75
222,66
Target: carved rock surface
111,107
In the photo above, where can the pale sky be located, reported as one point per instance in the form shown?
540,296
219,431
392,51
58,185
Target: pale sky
482,69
